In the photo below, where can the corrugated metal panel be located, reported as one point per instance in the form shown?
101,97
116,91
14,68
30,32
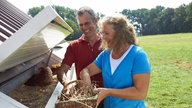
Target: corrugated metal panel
11,19
35,38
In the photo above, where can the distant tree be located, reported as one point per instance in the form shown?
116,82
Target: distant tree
188,19
66,12
99,15
179,19
35,10
133,17
77,33
166,23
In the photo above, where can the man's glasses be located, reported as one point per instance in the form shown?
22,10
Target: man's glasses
85,24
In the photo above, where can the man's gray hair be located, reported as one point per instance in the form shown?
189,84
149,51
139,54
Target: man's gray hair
84,9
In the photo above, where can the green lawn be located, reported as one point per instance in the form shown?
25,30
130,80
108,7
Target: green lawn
171,77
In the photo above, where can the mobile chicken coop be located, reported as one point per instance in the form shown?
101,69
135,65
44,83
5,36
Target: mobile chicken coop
25,44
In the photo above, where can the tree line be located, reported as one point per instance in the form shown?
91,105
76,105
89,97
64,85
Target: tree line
158,20
161,20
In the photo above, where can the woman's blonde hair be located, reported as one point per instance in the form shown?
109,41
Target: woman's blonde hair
124,31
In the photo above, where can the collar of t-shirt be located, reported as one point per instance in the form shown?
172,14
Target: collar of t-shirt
82,38
115,62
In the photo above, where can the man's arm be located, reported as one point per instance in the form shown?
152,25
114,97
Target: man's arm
61,73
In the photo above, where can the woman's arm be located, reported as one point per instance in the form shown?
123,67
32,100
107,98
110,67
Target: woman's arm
89,71
138,91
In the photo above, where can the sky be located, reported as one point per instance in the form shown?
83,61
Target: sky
102,6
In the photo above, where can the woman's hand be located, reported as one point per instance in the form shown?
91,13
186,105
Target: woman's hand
102,93
85,77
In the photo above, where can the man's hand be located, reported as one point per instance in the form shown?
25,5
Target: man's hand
60,77
61,73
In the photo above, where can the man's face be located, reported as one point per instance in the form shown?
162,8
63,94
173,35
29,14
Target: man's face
86,24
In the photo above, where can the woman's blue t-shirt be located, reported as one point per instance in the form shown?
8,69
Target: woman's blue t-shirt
135,62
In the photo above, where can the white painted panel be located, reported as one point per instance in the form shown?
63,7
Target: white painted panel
8,102
35,38
56,93
71,75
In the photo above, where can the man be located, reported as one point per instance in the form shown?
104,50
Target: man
84,50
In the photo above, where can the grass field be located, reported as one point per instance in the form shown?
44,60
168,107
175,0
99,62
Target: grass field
171,77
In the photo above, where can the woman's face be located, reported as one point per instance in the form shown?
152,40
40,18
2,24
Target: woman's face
108,34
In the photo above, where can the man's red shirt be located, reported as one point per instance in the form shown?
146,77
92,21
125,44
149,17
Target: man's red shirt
82,54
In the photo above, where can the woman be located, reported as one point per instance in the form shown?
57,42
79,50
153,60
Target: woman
124,65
